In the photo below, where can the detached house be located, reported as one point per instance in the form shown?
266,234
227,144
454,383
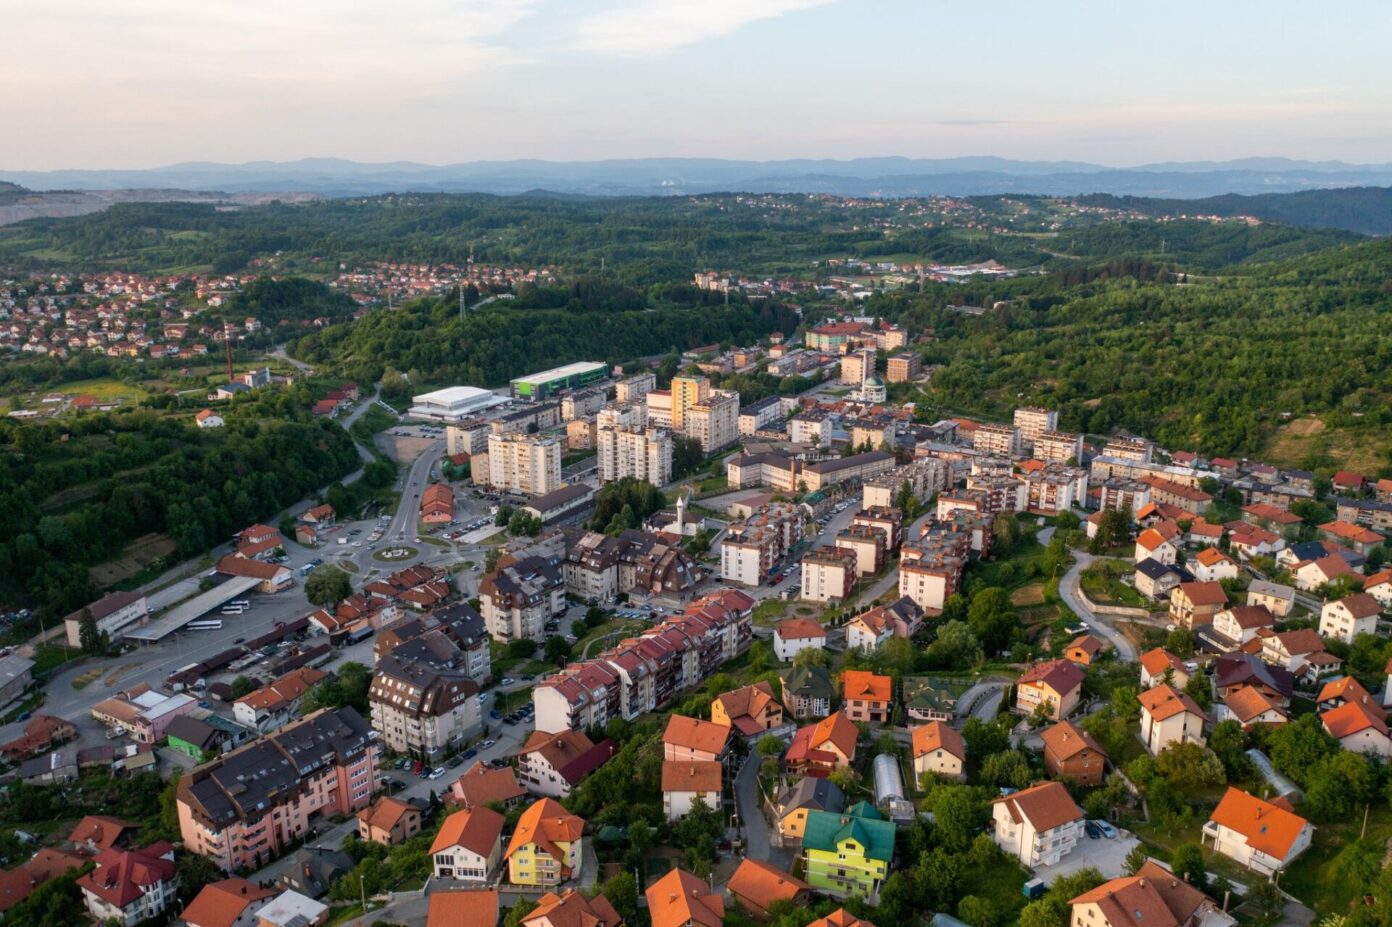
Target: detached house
1160,666
686,782
1249,706
468,846
1071,753
553,764
1039,825
808,691
1083,650
680,899
1346,618
848,853
546,848
1261,835
1169,716
795,802
1153,897
1211,565
1153,545
938,749
795,635
1240,624
822,748
756,886
1359,729
1194,604
1054,686
131,886
750,710
866,696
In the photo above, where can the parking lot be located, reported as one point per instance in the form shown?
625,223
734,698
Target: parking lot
1105,854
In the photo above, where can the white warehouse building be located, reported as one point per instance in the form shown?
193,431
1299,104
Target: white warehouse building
454,403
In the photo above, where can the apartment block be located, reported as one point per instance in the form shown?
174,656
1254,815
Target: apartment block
857,365
518,599
925,477
1135,450
751,547
1033,422
525,463
997,440
828,574
714,421
902,368
760,415
242,809
423,711
1058,447
867,544
642,453
686,392
636,387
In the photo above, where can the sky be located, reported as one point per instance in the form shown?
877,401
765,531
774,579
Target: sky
145,83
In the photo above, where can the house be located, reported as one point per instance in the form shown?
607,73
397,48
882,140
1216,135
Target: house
271,577
1248,541
1336,692
437,504
41,734
680,899
939,750
1239,624
1379,586
1346,618
848,853
1194,604
1160,666
1249,706
1274,597
478,907
750,710
1152,545
1261,835
131,886
1359,729
1233,671
196,739
51,769
808,691
1071,753
1211,565
569,909
686,782
1153,897
482,785
311,870
547,845
1083,650
1052,688
757,885
693,739
1202,534
468,846
390,821
840,918
97,832
1301,651
1311,574
291,909
1169,716
227,903
1354,536
1157,580
208,419
928,698
871,629
553,764
866,696
822,748
795,802
277,703
1039,825
794,635
113,613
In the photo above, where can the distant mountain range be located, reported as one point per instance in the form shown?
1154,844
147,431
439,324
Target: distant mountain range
872,177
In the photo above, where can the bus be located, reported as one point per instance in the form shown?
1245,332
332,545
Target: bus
205,624
232,610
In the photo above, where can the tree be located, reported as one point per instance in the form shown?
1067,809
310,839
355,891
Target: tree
522,648
503,515
519,910
490,559
327,586
1135,859
1199,690
622,891
1009,768
1229,743
687,456
244,685
1299,748
348,687
1180,642
556,650
1188,863
976,911
88,634
1189,768
991,617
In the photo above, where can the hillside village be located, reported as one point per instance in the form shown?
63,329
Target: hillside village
630,651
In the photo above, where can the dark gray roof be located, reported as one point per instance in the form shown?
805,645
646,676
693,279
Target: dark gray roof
813,793
199,733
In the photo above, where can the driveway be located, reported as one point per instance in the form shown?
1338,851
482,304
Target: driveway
1107,856
758,846
1069,591
981,700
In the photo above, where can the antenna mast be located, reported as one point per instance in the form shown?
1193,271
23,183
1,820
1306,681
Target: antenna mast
227,342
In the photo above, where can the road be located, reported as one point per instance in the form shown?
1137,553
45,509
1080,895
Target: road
758,845
1070,592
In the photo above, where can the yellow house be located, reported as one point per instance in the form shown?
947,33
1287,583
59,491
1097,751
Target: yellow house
546,846
848,853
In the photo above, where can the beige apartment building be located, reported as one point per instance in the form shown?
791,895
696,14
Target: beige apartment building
828,574
1033,422
857,365
642,453
525,463
998,440
902,368
714,421
1058,447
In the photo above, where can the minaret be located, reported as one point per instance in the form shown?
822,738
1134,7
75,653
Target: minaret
681,514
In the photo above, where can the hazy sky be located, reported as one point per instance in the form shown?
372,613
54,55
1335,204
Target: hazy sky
140,83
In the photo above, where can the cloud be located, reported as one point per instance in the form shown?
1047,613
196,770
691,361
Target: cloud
654,27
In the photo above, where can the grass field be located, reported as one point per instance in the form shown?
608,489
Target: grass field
1320,877
1307,442
1103,585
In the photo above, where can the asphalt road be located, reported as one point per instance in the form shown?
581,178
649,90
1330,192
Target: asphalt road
1069,592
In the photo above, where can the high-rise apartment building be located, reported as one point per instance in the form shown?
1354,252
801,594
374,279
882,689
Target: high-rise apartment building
525,463
643,453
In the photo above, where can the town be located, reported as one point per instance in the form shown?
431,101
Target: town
625,649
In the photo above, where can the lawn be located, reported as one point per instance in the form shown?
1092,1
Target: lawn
48,658
769,612
373,420
1001,882
1103,585
1320,876
616,628
104,389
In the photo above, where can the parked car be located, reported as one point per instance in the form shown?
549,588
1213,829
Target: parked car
1092,830
1108,830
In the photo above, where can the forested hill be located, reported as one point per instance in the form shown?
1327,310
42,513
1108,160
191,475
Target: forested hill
427,340
1365,210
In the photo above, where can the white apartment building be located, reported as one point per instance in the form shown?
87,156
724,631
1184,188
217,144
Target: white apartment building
623,415
525,463
997,440
636,387
1038,825
642,453
857,365
1034,422
1058,447
714,421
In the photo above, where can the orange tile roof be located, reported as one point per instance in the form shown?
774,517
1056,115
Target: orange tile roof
1249,702
691,776
477,830
1350,718
695,734
799,629
476,907
840,918
761,884
679,899
481,785
572,909
1066,739
1150,539
1355,533
1204,593
1046,806
1060,675
1212,556
219,904
1164,702
1349,689
100,830
1158,660
935,735
545,823
1153,897
387,811
1266,827
865,685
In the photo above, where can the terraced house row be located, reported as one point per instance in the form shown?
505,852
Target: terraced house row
646,672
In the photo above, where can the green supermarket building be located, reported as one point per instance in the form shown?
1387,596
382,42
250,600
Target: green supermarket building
538,386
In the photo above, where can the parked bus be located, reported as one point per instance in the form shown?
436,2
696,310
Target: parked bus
205,624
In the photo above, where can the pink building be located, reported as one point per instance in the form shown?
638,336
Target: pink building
243,808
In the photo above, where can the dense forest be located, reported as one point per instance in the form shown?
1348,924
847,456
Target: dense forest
75,492
429,341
